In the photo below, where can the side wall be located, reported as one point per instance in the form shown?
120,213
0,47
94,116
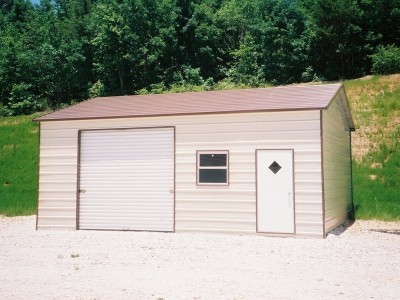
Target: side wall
198,208
336,163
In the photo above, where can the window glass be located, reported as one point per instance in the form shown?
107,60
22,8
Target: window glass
215,160
212,175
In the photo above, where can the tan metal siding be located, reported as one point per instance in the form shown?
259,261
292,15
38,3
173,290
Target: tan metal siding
204,208
336,164
57,178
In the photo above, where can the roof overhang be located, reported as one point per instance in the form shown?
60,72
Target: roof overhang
272,99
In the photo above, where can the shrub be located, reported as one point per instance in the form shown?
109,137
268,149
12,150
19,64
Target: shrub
4,111
310,76
386,60
97,89
23,101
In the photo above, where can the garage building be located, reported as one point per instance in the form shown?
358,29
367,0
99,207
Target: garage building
270,161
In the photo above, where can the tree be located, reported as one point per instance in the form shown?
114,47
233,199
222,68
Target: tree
133,42
245,68
386,60
336,38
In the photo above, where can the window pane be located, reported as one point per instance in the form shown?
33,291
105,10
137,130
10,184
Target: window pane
213,160
212,176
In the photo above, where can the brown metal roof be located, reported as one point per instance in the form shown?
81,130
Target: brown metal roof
293,97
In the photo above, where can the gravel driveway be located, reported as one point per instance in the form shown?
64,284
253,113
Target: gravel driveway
359,262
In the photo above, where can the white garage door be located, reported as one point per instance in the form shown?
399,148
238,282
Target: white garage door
127,179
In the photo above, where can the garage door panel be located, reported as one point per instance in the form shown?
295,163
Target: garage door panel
126,165
147,209
110,195
127,179
115,187
115,225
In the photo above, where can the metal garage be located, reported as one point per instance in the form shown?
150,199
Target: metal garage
267,161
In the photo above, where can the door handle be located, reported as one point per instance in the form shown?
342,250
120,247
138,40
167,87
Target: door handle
171,191
82,191
289,199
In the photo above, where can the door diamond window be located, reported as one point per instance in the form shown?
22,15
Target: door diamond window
275,167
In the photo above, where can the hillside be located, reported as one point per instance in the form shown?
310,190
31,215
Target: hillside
375,103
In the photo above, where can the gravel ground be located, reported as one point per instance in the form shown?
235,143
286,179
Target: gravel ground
357,262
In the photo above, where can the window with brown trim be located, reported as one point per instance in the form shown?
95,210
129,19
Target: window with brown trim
212,167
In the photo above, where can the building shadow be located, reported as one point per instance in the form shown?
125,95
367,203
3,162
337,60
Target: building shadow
389,231
341,228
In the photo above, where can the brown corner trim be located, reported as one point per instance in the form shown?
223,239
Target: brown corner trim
38,178
322,173
174,179
353,211
78,181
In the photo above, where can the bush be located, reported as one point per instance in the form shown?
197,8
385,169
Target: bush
310,76
97,89
23,101
4,111
386,60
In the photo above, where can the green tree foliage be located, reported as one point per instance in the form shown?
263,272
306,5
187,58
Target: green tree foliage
386,60
246,68
335,38
205,44
63,51
133,42
22,101
278,30
343,34
380,22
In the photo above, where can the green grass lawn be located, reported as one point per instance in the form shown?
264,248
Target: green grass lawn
377,185
18,165
375,104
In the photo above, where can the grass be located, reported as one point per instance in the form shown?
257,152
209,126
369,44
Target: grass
375,105
18,165
376,183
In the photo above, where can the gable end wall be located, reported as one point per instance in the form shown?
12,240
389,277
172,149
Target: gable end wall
336,163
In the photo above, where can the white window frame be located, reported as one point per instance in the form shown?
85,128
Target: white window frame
198,167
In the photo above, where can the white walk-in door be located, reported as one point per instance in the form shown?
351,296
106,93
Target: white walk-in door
275,205
127,179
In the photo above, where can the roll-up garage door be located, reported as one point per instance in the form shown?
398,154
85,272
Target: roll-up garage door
127,179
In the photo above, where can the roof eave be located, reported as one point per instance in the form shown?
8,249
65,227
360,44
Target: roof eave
176,114
347,106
